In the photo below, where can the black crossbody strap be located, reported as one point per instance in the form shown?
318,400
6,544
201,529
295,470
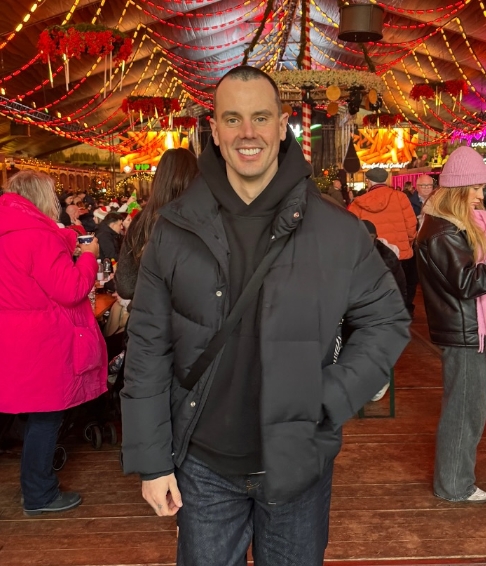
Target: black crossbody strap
234,317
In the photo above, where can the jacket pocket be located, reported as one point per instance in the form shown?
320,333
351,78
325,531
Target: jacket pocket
87,349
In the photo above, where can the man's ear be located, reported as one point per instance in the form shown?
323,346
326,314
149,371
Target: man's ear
284,119
214,130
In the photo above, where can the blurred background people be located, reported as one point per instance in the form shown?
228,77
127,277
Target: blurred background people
53,354
408,188
109,237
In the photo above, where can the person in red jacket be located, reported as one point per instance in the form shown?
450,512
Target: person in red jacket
389,210
53,353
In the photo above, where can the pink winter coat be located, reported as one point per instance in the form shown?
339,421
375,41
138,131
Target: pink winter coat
52,353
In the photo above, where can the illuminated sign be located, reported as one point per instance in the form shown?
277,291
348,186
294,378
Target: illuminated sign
389,148
147,149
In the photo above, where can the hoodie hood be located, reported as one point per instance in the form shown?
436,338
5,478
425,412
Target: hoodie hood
376,199
292,169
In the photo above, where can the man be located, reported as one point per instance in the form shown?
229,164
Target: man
424,188
246,455
334,192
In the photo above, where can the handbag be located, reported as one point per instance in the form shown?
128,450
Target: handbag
234,317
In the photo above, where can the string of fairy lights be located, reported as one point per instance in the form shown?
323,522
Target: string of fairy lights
161,64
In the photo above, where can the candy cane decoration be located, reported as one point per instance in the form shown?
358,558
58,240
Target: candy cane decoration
306,108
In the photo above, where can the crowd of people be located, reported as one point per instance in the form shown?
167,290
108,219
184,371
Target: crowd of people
252,337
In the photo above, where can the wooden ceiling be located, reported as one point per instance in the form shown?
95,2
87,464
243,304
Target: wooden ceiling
181,48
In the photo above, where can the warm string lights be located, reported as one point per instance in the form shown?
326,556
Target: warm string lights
454,9
218,13
472,88
19,27
390,8
230,23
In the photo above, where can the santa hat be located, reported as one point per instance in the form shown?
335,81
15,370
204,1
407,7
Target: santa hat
114,204
101,212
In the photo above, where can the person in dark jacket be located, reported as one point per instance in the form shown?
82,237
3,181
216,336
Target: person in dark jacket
109,238
391,260
176,169
246,454
451,248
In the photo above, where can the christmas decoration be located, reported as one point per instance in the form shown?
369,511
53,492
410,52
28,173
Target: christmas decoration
150,105
382,120
70,41
75,40
431,90
183,122
323,79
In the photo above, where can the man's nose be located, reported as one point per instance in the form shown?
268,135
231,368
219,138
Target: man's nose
247,129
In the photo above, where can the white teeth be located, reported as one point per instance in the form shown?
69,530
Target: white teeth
249,151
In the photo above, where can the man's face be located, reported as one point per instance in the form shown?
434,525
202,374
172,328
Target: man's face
425,186
248,128
337,184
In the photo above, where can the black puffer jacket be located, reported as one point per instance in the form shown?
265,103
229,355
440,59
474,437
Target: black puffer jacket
181,299
109,241
451,282
127,268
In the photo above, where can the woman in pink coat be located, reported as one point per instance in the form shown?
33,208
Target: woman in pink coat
53,355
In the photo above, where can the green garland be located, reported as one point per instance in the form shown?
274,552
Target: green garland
259,32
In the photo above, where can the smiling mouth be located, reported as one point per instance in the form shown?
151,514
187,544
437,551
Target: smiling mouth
249,151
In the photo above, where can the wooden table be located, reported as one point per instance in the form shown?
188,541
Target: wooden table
104,302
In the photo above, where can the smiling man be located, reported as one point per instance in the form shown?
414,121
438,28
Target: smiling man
245,453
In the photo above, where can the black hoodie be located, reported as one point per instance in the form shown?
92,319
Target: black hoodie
227,436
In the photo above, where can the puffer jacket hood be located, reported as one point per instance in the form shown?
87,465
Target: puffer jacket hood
392,214
375,200
18,213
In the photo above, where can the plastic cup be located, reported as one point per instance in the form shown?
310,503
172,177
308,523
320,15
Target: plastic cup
85,239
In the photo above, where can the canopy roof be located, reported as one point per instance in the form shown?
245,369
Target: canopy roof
181,49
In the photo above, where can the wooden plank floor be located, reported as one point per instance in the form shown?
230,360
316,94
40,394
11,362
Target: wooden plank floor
383,511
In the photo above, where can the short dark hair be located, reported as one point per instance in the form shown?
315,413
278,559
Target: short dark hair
247,73
111,218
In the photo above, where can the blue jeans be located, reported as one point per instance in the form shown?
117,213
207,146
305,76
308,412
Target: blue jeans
461,422
222,515
39,483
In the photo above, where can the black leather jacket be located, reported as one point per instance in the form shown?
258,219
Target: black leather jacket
451,282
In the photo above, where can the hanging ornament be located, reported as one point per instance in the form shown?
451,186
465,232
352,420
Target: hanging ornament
351,163
333,93
70,41
332,108
373,96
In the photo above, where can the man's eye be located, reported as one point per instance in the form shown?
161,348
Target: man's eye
231,121
261,119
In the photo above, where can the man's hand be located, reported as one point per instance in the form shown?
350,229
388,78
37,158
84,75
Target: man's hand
163,495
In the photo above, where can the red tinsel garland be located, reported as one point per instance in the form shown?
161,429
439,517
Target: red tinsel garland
184,122
385,120
147,105
76,40
423,90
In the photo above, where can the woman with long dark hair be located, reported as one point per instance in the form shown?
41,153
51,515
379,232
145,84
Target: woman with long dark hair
451,255
176,169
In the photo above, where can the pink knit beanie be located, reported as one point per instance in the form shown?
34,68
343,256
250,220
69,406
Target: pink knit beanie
464,167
